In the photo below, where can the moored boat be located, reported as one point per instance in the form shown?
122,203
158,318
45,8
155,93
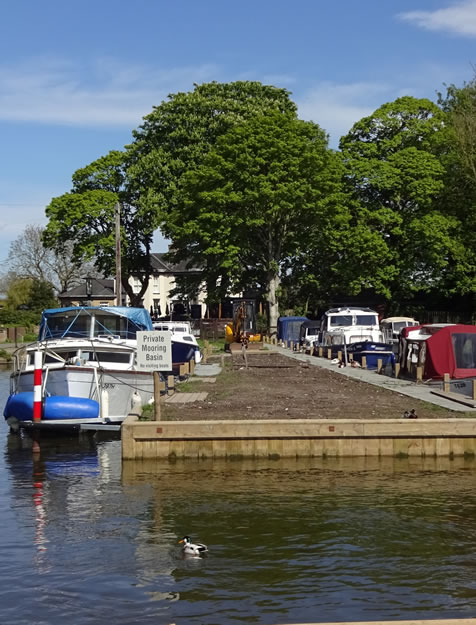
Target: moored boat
184,344
87,371
354,330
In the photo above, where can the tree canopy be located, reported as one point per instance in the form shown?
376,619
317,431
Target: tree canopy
177,135
394,161
86,218
260,192
256,199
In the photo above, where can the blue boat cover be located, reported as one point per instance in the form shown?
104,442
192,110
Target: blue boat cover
68,321
289,328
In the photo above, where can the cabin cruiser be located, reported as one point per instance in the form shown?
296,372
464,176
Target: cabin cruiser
308,335
347,325
356,331
184,344
87,364
392,327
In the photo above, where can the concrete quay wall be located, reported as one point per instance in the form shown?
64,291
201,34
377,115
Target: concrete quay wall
297,438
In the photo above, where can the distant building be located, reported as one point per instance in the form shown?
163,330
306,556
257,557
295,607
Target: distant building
92,292
158,300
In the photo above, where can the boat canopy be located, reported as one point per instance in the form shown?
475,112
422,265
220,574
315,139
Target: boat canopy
93,321
289,328
440,349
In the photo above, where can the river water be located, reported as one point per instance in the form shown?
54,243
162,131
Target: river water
85,540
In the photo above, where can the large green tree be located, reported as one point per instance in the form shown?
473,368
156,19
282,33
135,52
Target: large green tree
394,161
85,219
176,137
264,187
459,197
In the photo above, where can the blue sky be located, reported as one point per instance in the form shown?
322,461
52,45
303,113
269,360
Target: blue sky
77,78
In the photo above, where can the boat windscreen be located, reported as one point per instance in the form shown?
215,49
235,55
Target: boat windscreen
340,320
464,347
366,320
78,325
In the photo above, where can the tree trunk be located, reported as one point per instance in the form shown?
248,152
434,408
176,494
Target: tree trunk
273,285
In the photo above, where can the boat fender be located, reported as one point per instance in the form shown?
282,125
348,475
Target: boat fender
104,404
136,403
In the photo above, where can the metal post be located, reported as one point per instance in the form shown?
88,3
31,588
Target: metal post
117,211
156,396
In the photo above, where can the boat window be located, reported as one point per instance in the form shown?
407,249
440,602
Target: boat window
341,320
399,325
69,325
112,356
52,358
188,338
366,320
48,359
312,331
464,347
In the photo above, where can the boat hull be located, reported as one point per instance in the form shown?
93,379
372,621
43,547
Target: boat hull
113,392
373,352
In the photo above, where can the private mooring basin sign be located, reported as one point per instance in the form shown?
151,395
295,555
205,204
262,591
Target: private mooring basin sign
154,350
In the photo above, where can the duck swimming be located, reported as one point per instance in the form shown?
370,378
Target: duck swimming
192,549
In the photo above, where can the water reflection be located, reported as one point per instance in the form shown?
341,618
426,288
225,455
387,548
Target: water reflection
289,541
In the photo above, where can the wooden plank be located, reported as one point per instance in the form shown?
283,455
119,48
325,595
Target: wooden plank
461,399
185,398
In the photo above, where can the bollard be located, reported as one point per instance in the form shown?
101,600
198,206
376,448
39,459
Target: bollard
339,356
446,383
321,352
329,353
291,345
397,369
364,362
419,374
170,385
474,389
379,365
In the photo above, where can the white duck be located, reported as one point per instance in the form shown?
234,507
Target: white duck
192,549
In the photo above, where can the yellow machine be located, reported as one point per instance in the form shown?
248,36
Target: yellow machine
236,331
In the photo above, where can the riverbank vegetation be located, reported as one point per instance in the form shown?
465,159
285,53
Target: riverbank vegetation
258,200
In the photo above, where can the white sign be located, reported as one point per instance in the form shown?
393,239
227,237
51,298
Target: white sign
154,350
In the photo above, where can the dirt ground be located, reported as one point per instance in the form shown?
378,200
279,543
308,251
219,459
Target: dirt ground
277,387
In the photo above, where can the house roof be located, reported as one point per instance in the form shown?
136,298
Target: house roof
160,265
101,288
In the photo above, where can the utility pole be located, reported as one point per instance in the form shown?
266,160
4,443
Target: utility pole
117,212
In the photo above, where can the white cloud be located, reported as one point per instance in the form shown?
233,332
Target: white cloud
337,107
459,18
107,94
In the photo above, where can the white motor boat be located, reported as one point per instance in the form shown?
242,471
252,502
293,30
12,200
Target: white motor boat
184,344
88,368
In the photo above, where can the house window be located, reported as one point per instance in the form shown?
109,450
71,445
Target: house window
136,285
155,284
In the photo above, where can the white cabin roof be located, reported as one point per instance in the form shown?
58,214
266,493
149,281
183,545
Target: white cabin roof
397,319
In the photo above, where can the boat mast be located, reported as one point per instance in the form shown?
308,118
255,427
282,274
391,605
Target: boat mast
117,212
